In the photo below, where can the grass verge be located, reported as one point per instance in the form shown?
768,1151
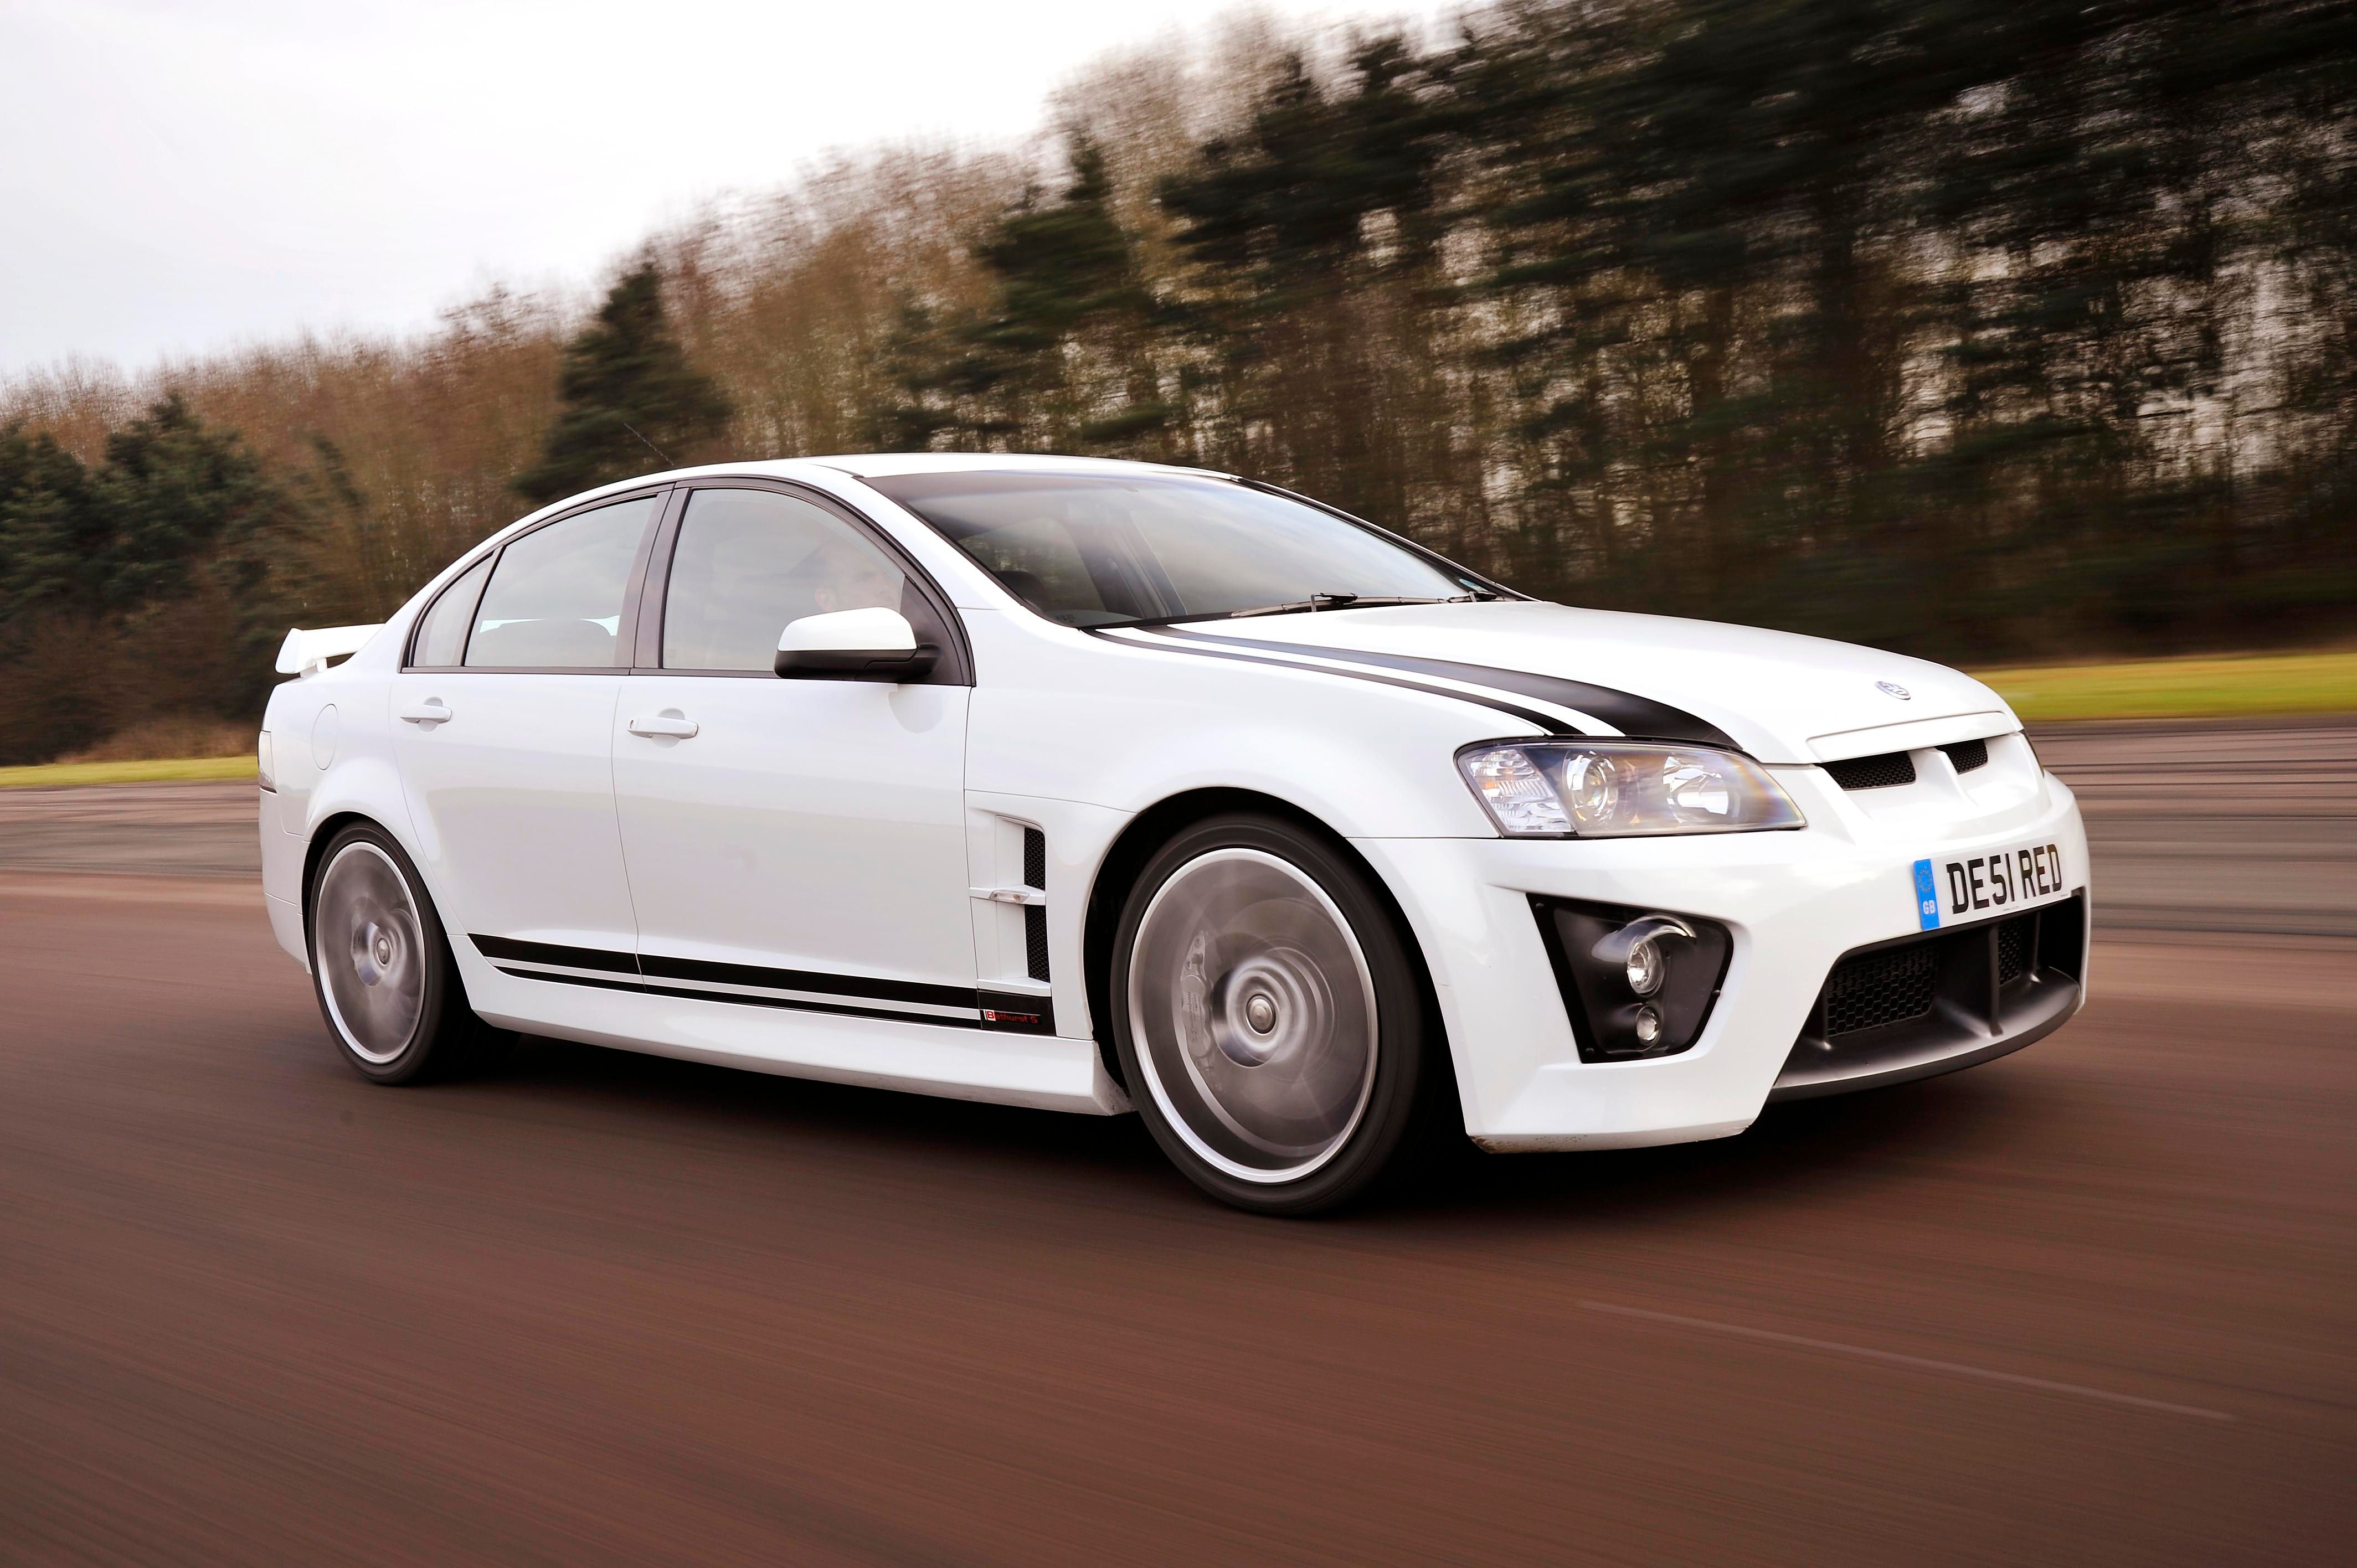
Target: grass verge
2257,684
58,775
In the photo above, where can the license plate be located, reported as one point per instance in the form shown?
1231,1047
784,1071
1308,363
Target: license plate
1953,888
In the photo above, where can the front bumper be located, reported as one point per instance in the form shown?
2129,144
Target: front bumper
1797,903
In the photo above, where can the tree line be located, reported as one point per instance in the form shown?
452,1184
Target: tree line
1976,331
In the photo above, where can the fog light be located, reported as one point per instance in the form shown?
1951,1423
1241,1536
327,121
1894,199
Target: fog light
1637,983
1644,968
1636,949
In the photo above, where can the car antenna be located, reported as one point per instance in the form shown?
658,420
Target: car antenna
648,444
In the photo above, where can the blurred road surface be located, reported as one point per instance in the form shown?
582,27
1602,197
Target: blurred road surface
2215,827
161,829
2224,827
2094,1303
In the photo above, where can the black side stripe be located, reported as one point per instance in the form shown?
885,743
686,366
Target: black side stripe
1640,717
1537,720
571,979
656,967
996,1010
550,952
796,1004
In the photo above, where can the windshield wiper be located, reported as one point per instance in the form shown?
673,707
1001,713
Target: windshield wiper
1315,602
1329,602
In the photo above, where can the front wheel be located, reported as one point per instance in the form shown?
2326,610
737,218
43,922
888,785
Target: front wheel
1267,1016
381,967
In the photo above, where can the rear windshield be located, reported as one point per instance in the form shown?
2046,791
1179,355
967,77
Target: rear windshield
1115,549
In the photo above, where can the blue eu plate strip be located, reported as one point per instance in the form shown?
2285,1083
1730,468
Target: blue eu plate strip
1927,896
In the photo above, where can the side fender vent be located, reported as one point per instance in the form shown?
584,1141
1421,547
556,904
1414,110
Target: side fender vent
1035,916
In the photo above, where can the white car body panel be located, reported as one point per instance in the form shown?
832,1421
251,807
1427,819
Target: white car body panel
836,788
546,820
512,802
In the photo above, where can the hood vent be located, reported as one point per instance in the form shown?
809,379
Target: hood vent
1886,771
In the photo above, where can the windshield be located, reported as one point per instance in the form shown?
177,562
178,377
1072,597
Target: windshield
1112,550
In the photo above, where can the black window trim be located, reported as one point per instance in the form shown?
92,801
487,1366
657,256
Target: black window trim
632,594
957,666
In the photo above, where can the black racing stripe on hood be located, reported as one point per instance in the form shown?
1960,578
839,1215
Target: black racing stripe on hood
1638,717
1540,721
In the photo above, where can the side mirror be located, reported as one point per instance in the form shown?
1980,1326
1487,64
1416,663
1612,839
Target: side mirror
854,645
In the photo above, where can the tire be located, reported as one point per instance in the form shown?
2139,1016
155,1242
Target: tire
381,968
1267,1016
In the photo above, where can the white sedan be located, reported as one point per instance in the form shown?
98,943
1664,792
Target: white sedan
1101,786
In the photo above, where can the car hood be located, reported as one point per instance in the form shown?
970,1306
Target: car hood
1781,697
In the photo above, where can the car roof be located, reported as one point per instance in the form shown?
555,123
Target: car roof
880,465
859,465
877,465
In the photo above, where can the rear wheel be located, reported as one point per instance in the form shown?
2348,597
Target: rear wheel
381,967
1267,1016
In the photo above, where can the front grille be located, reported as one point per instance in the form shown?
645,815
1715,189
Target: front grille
1875,989
1967,755
1884,772
2014,939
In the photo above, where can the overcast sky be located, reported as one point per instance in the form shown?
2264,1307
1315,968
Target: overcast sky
180,176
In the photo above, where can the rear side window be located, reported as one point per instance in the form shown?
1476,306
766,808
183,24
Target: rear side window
749,561
555,600
442,629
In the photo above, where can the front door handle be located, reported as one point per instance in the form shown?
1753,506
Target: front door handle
428,712
669,726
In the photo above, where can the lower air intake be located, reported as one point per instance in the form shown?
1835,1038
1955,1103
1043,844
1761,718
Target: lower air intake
1875,989
2015,940
1940,1000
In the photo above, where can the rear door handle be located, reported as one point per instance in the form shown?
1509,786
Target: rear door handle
666,725
428,712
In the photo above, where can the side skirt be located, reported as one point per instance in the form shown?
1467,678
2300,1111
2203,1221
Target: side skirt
840,1040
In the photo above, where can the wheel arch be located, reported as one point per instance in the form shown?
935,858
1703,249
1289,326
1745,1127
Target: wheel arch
325,833
1147,832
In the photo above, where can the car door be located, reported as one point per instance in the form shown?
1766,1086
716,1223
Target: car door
503,727
794,843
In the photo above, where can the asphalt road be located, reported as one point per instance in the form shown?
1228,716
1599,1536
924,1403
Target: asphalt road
2215,827
2097,1302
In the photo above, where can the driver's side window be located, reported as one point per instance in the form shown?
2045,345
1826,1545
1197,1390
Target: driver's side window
747,562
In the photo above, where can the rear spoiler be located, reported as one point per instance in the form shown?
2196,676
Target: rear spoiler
306,653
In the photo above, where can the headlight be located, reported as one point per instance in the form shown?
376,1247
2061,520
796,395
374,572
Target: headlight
1573,788
264,765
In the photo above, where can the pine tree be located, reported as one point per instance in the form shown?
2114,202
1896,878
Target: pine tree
1061,359
152,582
628,398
